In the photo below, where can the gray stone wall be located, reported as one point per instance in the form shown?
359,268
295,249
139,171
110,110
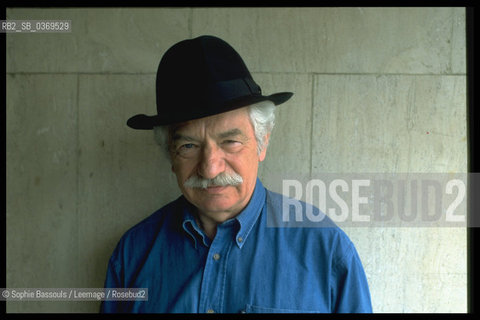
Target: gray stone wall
376,90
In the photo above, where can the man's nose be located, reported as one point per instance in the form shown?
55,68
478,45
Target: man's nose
212,161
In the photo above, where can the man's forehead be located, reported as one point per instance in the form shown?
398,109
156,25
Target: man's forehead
232,122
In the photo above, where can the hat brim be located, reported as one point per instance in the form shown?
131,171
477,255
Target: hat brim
144,122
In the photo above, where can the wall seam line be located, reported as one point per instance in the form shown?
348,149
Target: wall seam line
190,23
312,106
77,176
450,63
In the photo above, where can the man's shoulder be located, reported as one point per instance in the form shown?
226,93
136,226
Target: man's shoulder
289,215
149,227
285,211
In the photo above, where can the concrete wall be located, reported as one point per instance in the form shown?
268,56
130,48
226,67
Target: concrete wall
376,90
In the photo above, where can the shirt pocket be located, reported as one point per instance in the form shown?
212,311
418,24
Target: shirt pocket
258,309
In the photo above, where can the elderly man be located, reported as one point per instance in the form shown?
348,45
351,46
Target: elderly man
211,249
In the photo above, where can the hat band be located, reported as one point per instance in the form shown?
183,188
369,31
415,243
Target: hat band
231,89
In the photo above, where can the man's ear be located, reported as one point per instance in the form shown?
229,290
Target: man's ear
263,153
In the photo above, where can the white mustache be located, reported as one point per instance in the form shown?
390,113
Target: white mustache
222,180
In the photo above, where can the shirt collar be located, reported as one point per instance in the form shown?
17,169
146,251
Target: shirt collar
246,219
190,224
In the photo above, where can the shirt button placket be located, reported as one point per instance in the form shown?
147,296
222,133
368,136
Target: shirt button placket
213,282
216,257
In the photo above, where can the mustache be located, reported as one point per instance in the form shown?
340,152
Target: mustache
222,180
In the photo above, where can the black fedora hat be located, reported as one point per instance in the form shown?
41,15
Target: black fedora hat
201,77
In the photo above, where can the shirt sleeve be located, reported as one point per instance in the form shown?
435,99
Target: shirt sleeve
112,280
349,286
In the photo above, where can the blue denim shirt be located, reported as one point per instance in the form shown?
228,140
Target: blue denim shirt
247,267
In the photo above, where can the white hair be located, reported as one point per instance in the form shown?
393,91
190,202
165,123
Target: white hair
262,117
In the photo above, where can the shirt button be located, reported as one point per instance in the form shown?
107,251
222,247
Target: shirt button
216,256
210,311
240,239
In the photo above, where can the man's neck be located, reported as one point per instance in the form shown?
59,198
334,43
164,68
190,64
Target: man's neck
209,227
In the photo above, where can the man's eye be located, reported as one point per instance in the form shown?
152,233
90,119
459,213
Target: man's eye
188,146
187,149
231,145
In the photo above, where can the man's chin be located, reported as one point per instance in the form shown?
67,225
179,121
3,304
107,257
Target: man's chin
217,208
214,207
215,200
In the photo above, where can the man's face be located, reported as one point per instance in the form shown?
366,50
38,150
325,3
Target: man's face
223,143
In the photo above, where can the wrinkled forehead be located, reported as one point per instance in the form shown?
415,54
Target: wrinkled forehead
235,119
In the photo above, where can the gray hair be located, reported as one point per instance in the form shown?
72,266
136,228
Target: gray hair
262,117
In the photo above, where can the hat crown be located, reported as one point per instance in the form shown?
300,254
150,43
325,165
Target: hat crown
197,68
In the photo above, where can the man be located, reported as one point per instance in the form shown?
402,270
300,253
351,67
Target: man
211,249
